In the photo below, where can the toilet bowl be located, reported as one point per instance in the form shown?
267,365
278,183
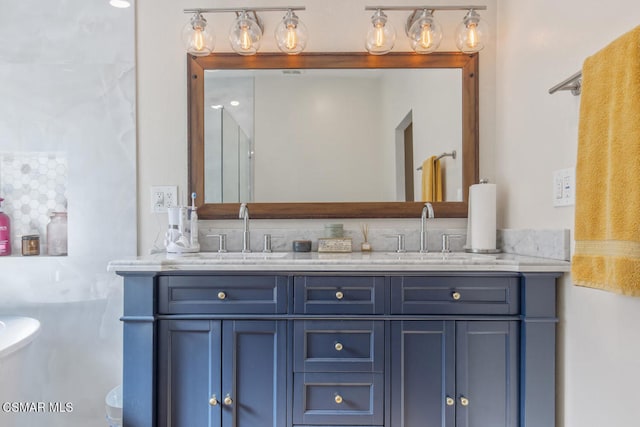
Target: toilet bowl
113,404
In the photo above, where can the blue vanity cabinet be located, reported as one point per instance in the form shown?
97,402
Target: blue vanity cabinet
221,361
229,373
329,349
461,371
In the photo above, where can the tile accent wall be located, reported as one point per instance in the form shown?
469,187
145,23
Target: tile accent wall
33,184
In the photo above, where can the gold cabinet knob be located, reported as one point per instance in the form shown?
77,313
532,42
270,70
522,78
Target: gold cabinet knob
222,295
450,401
338,399
456,296
339,346
339,295
464,401
228,400
213,401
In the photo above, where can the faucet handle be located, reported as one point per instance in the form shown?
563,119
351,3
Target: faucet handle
400,238
266,246
223,241
446,241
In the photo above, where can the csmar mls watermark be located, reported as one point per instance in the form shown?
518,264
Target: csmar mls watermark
36,407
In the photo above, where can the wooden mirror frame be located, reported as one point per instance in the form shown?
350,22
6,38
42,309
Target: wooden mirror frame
223,61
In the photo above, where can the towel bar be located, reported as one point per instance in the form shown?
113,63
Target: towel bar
452,154
573,83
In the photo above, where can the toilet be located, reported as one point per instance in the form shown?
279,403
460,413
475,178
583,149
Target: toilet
113,404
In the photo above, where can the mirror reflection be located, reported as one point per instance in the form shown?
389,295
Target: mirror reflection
333,135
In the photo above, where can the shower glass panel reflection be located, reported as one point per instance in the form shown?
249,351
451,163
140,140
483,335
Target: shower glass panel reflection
228,159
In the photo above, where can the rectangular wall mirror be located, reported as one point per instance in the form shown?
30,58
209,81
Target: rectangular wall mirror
331,135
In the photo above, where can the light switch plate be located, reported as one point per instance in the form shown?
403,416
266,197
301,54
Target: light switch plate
564,187
163,197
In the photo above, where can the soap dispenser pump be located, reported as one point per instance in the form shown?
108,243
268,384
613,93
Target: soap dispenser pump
5,232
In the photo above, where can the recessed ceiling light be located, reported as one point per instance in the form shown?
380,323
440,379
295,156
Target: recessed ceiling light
234,103
216,106
120,3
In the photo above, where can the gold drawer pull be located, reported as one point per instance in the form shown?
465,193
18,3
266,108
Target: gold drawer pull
222,295
450,401
339,346
213,401
228,401
464,401
456,296
339,295
338,399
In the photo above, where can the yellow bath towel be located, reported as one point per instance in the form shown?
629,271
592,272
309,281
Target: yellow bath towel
431,180
607,218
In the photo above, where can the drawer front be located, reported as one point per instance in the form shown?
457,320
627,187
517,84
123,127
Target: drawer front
338,346
455,295
338,399
339,295
223,294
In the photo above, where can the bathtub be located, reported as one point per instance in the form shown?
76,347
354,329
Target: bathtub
15,334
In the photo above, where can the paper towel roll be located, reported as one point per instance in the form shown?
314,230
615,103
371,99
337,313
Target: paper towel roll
481,221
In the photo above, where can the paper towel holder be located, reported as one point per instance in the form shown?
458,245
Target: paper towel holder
483,251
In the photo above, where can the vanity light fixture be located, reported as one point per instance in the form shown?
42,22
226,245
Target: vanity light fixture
246,32
381,35
198,40
424,32
291,34
471,33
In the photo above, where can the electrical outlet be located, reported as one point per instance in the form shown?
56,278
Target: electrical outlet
564,187
163,197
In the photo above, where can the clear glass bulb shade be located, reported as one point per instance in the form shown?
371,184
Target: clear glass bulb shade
197,39
425,34
381,35
471,33
245,35
291,34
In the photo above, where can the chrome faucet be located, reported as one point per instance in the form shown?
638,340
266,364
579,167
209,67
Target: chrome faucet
244,216
427,212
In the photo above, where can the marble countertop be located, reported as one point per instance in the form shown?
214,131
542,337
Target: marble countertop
356,261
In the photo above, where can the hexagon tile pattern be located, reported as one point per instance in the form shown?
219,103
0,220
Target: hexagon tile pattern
33,184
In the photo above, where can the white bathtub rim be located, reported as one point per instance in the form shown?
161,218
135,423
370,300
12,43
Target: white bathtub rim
17,333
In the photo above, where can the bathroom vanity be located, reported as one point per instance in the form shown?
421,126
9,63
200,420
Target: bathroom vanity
299,340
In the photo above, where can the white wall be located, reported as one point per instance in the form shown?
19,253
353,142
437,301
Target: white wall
324,148
68,85
539,44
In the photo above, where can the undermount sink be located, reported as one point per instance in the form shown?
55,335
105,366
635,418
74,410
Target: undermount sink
443,256
242,255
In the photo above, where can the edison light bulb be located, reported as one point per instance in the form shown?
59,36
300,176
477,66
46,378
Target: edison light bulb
425,33
245,38
292,38
381,35
425,36
197,40
291,34
472,35
245,34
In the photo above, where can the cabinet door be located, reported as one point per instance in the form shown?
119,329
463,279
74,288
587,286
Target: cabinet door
253,373
487,373
188,373
422,373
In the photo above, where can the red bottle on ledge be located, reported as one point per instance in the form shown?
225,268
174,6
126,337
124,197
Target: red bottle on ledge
5,232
